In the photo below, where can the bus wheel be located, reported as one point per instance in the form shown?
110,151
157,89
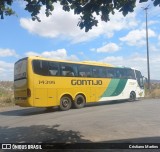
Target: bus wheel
79,101
132,96
65,103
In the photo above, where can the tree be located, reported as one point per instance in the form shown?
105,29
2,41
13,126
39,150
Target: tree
85,8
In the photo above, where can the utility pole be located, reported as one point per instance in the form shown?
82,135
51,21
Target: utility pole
149,86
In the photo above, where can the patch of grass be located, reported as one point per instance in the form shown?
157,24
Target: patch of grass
6,94
7,101
154,92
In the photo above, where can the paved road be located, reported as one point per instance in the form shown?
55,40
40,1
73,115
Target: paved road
107,122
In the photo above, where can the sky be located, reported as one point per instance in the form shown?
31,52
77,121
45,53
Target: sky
121,41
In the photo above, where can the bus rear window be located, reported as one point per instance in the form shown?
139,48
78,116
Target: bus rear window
20,69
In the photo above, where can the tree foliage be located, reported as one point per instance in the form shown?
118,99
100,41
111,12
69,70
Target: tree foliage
85,8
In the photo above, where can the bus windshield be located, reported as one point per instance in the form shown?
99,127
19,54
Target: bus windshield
139,78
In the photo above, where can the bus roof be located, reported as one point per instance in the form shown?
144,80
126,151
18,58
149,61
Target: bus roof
76,62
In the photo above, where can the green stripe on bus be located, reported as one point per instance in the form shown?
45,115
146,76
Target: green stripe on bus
120,87
116,86
111,88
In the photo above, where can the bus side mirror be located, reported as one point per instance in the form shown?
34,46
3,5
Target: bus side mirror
145,80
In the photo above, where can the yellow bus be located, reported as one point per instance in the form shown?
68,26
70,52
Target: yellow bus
41,82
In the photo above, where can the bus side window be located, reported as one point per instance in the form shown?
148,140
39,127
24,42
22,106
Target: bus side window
53,68
130,74
110,73
120,73
102,72
68,70
84,71
98,72
123,73
95,72
82,74
40,67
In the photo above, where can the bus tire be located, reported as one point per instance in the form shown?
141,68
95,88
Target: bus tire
79,101
132,96
65,103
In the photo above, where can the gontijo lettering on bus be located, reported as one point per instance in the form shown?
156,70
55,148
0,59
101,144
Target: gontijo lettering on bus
86,82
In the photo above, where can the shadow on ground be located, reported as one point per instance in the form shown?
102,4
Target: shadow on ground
52,134
28,111
106,103
36,111
39,133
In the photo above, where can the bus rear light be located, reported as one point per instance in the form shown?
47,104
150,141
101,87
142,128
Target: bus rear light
28,93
